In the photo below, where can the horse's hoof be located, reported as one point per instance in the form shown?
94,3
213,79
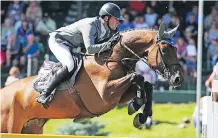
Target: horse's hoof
139,120
147,126
133,106
131,109
148,123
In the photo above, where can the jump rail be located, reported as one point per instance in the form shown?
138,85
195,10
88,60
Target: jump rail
50,136
210,116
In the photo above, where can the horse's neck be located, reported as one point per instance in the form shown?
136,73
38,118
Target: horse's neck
98,67
133,46
136,41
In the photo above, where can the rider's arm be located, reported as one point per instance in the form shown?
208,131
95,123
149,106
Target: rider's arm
89,32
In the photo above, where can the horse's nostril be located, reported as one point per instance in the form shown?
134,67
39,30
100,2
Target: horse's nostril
177,80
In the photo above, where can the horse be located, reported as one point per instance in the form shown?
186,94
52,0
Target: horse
104,81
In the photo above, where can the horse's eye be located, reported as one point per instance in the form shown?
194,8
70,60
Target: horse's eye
164,50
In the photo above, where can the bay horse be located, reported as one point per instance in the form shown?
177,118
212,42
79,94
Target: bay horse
99,87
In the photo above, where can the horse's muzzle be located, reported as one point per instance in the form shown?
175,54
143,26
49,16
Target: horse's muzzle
176,79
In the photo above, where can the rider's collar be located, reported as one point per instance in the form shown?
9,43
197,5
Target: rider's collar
103,30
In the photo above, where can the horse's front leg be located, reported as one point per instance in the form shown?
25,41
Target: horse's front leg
147,111
115,88
141,118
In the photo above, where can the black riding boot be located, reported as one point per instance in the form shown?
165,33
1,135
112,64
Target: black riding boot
61,75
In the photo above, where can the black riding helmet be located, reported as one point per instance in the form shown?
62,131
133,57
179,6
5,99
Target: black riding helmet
111,9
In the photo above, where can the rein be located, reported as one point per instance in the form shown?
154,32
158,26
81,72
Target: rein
166,73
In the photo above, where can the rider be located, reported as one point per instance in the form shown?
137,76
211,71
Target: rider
88,33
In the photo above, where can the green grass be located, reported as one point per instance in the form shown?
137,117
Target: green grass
119,123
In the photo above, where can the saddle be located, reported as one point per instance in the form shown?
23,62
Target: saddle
48,69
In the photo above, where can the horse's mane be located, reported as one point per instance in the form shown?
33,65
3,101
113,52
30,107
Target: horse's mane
139,29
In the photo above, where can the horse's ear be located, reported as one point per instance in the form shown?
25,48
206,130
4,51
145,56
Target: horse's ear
161,30
172,32
162,34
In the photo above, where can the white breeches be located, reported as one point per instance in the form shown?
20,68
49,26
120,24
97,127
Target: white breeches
61,52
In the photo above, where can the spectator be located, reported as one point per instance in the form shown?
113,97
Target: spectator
181,49
174,22
193,12
44,27
139,6
2,58
19,22
7,31
24,31
181,53
212,16
132,14
212,52
212,33
123,11
155,6
30,48
14,75
191,57
188,34
150,17
12,51
140,22
192,25
33,12
126,24
158,22
167,17
15,9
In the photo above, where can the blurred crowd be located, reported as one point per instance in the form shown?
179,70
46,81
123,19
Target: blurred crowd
25,30
143,14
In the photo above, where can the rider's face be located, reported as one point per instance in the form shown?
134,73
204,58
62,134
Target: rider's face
114,23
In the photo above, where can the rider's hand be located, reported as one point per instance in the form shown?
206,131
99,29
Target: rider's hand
114,39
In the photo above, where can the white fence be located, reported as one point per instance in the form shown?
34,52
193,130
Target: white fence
210,117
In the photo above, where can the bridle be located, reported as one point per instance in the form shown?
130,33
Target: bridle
166,72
